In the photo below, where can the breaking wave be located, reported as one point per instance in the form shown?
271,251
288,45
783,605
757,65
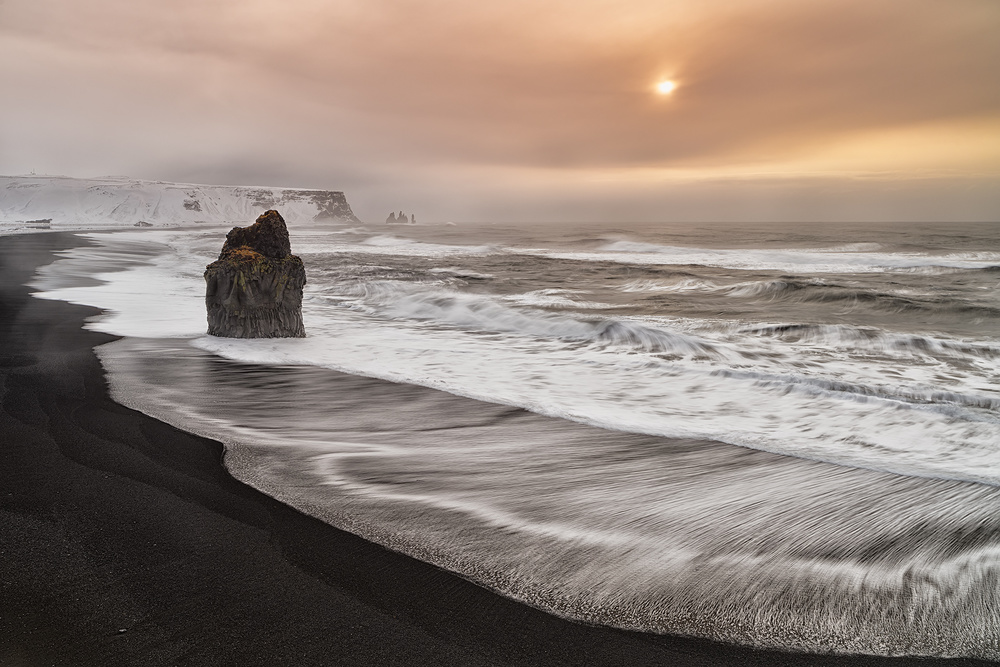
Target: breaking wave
789,260
807,546
489,314
818,291
875,340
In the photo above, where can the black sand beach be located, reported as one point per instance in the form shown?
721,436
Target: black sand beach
123,541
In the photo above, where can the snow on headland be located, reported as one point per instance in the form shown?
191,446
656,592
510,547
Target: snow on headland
60,202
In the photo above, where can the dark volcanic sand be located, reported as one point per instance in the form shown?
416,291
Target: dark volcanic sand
123,541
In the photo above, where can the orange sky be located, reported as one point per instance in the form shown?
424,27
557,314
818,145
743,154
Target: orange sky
783,109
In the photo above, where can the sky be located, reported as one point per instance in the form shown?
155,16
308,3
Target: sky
530,110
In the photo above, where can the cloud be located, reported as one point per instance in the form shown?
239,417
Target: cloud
385,91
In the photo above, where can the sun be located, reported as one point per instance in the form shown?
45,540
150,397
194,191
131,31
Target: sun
665,87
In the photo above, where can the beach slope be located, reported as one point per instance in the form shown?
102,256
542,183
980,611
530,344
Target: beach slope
123,541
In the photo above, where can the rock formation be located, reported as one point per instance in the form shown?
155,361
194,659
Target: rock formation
402,219
254,289
122,201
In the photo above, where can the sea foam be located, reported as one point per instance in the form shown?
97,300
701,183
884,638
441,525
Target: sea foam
655,375
683,534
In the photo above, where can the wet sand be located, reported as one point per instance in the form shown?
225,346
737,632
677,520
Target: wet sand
124,541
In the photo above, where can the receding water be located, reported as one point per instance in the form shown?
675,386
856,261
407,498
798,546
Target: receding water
774,436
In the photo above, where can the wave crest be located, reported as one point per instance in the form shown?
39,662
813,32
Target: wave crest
488,314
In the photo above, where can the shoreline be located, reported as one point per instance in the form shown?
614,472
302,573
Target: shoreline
125,541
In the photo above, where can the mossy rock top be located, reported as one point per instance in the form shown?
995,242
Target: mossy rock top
259,249
268,236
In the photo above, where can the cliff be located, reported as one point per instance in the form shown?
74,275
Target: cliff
124,202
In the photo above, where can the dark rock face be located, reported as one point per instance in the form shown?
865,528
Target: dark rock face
254,289
268,236
402,219
330,204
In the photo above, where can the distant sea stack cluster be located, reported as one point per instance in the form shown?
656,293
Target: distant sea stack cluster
254,289
401,219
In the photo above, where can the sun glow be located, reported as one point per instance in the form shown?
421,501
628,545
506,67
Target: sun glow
665,87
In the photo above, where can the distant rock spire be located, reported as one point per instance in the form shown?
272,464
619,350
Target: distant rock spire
401,219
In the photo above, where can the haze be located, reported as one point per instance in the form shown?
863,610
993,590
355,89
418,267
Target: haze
523,110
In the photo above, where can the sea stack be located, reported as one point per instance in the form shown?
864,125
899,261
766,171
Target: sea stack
254,289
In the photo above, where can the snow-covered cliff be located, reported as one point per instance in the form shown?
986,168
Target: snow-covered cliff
62,202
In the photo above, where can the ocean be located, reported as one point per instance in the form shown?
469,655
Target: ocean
783,436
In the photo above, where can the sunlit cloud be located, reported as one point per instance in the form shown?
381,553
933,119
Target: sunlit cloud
374,94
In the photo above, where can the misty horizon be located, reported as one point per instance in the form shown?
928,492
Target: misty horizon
526,112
